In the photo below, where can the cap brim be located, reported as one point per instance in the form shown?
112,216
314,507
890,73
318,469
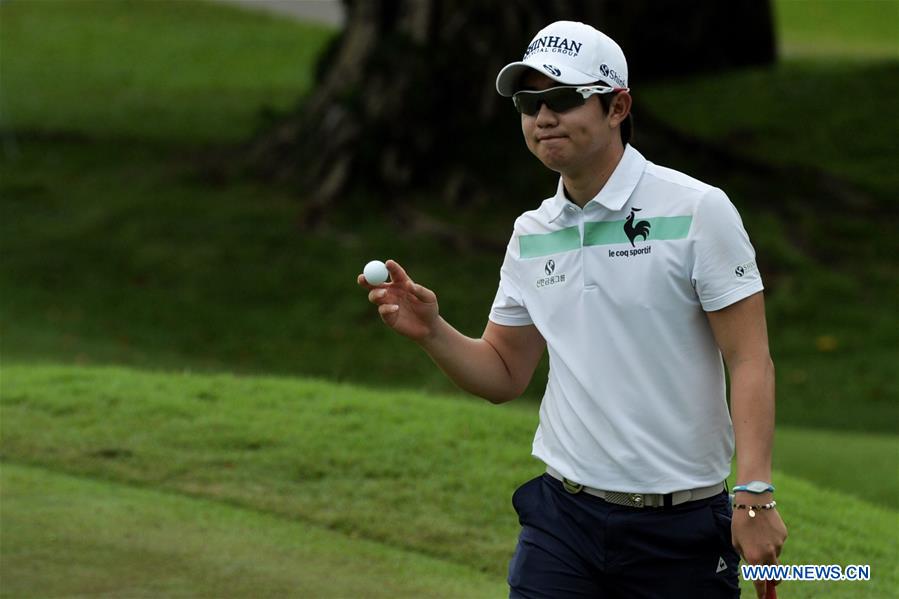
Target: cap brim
509,78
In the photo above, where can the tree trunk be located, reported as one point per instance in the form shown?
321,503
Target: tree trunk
405,102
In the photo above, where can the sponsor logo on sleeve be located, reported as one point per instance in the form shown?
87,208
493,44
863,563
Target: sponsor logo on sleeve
747,268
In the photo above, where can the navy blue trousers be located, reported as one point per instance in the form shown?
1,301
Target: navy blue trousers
581,546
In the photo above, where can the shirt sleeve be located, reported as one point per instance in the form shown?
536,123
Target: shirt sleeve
508,306
724,268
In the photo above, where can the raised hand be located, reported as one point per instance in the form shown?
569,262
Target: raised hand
404,305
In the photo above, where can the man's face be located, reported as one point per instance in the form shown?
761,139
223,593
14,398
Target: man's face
570,141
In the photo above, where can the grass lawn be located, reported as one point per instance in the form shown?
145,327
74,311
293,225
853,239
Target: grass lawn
834,459
67,536
166,71
437,471
838,29
830,116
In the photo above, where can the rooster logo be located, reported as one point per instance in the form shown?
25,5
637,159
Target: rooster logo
641,230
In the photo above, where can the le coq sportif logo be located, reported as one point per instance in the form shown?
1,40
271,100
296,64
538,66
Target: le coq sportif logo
641,229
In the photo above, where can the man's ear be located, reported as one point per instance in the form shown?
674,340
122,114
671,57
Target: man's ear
619,108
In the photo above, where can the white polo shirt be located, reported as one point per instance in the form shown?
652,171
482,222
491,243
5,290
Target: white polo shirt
635,399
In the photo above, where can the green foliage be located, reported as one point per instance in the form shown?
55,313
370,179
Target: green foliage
421,473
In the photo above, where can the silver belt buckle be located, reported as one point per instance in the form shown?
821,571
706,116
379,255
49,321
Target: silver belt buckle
627,499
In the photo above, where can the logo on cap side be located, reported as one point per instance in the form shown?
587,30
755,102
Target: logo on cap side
611,74
552,70
554,44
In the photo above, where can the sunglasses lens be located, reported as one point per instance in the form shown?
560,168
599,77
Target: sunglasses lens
560,100
527,103
556,99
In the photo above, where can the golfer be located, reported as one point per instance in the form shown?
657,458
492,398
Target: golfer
638,280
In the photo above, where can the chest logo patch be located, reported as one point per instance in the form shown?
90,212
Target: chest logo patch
550,279
641,229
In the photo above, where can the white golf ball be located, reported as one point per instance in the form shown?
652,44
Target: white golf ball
375,272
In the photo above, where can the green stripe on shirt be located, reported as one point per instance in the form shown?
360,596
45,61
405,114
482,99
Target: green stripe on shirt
600,233
563,240
660,228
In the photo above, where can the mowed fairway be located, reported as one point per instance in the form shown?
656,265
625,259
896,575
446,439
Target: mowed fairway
370,486
70,536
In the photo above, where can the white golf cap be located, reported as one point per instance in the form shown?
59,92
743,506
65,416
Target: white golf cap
570,52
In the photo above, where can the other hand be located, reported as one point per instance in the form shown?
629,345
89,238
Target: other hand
759,540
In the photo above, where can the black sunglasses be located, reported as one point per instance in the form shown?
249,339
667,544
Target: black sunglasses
558,99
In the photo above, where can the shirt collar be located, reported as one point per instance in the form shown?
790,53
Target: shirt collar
617,189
